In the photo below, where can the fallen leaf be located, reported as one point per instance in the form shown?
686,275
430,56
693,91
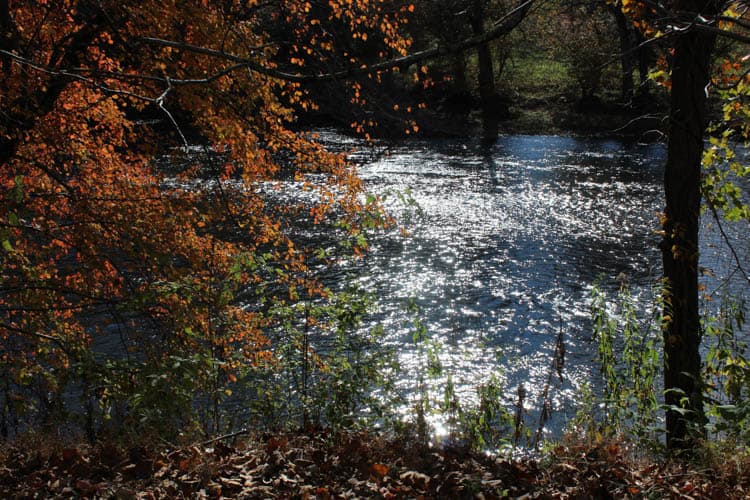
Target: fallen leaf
416,479
379,469
274,444
69,454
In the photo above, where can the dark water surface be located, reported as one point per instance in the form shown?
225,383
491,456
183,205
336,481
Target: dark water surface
506,243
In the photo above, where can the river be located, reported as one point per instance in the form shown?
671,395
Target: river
506,242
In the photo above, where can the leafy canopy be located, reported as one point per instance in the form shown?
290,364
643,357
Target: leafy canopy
113,230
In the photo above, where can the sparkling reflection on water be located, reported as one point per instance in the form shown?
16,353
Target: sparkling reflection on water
506,243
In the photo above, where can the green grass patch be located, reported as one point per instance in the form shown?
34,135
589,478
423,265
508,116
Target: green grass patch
537,76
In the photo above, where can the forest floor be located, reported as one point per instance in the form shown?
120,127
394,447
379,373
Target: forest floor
356,465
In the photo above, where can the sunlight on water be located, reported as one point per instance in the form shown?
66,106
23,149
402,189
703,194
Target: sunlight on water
506,244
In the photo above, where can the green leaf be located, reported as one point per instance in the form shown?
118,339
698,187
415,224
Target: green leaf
16,192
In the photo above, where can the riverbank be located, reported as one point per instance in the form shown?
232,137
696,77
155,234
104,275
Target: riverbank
535,95
559,116
535,114
357,465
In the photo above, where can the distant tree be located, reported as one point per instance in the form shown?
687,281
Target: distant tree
585,37
444,22
449,23
488,97
633,53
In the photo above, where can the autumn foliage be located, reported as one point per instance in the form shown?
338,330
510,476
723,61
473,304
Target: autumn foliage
117,236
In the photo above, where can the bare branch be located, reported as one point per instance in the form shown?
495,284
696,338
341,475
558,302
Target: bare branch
56,340
725,237
734,20
732,35
75,76
160,103
501,27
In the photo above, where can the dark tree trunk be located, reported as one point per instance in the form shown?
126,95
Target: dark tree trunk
6,43
6,31
682,181
486,76
646,58
627,62
459,72
487,94
8,39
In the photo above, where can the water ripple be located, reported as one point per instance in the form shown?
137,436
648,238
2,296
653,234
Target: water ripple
507,244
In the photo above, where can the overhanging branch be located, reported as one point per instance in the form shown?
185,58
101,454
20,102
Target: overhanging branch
501,27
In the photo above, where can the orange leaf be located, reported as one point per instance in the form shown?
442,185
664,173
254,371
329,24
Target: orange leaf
379,469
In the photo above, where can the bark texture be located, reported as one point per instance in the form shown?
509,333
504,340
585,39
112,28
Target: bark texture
486,82
682,331
627,62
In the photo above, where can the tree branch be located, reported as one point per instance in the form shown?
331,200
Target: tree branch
56,340
725,237
501,27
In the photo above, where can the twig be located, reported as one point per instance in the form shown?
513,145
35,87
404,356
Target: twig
725,237
645,116
160,103
556,367
226,436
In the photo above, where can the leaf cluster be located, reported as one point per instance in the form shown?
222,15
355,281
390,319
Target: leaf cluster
141,287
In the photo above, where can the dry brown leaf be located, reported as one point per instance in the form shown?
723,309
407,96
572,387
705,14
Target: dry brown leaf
416,479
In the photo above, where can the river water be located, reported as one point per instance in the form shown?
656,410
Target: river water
506,242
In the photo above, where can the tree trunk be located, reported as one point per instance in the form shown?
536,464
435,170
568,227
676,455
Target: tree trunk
682,181
486,76
627,62
487,94
646,58
6,30
459,72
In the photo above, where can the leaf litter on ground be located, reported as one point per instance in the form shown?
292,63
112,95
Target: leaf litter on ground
322,465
